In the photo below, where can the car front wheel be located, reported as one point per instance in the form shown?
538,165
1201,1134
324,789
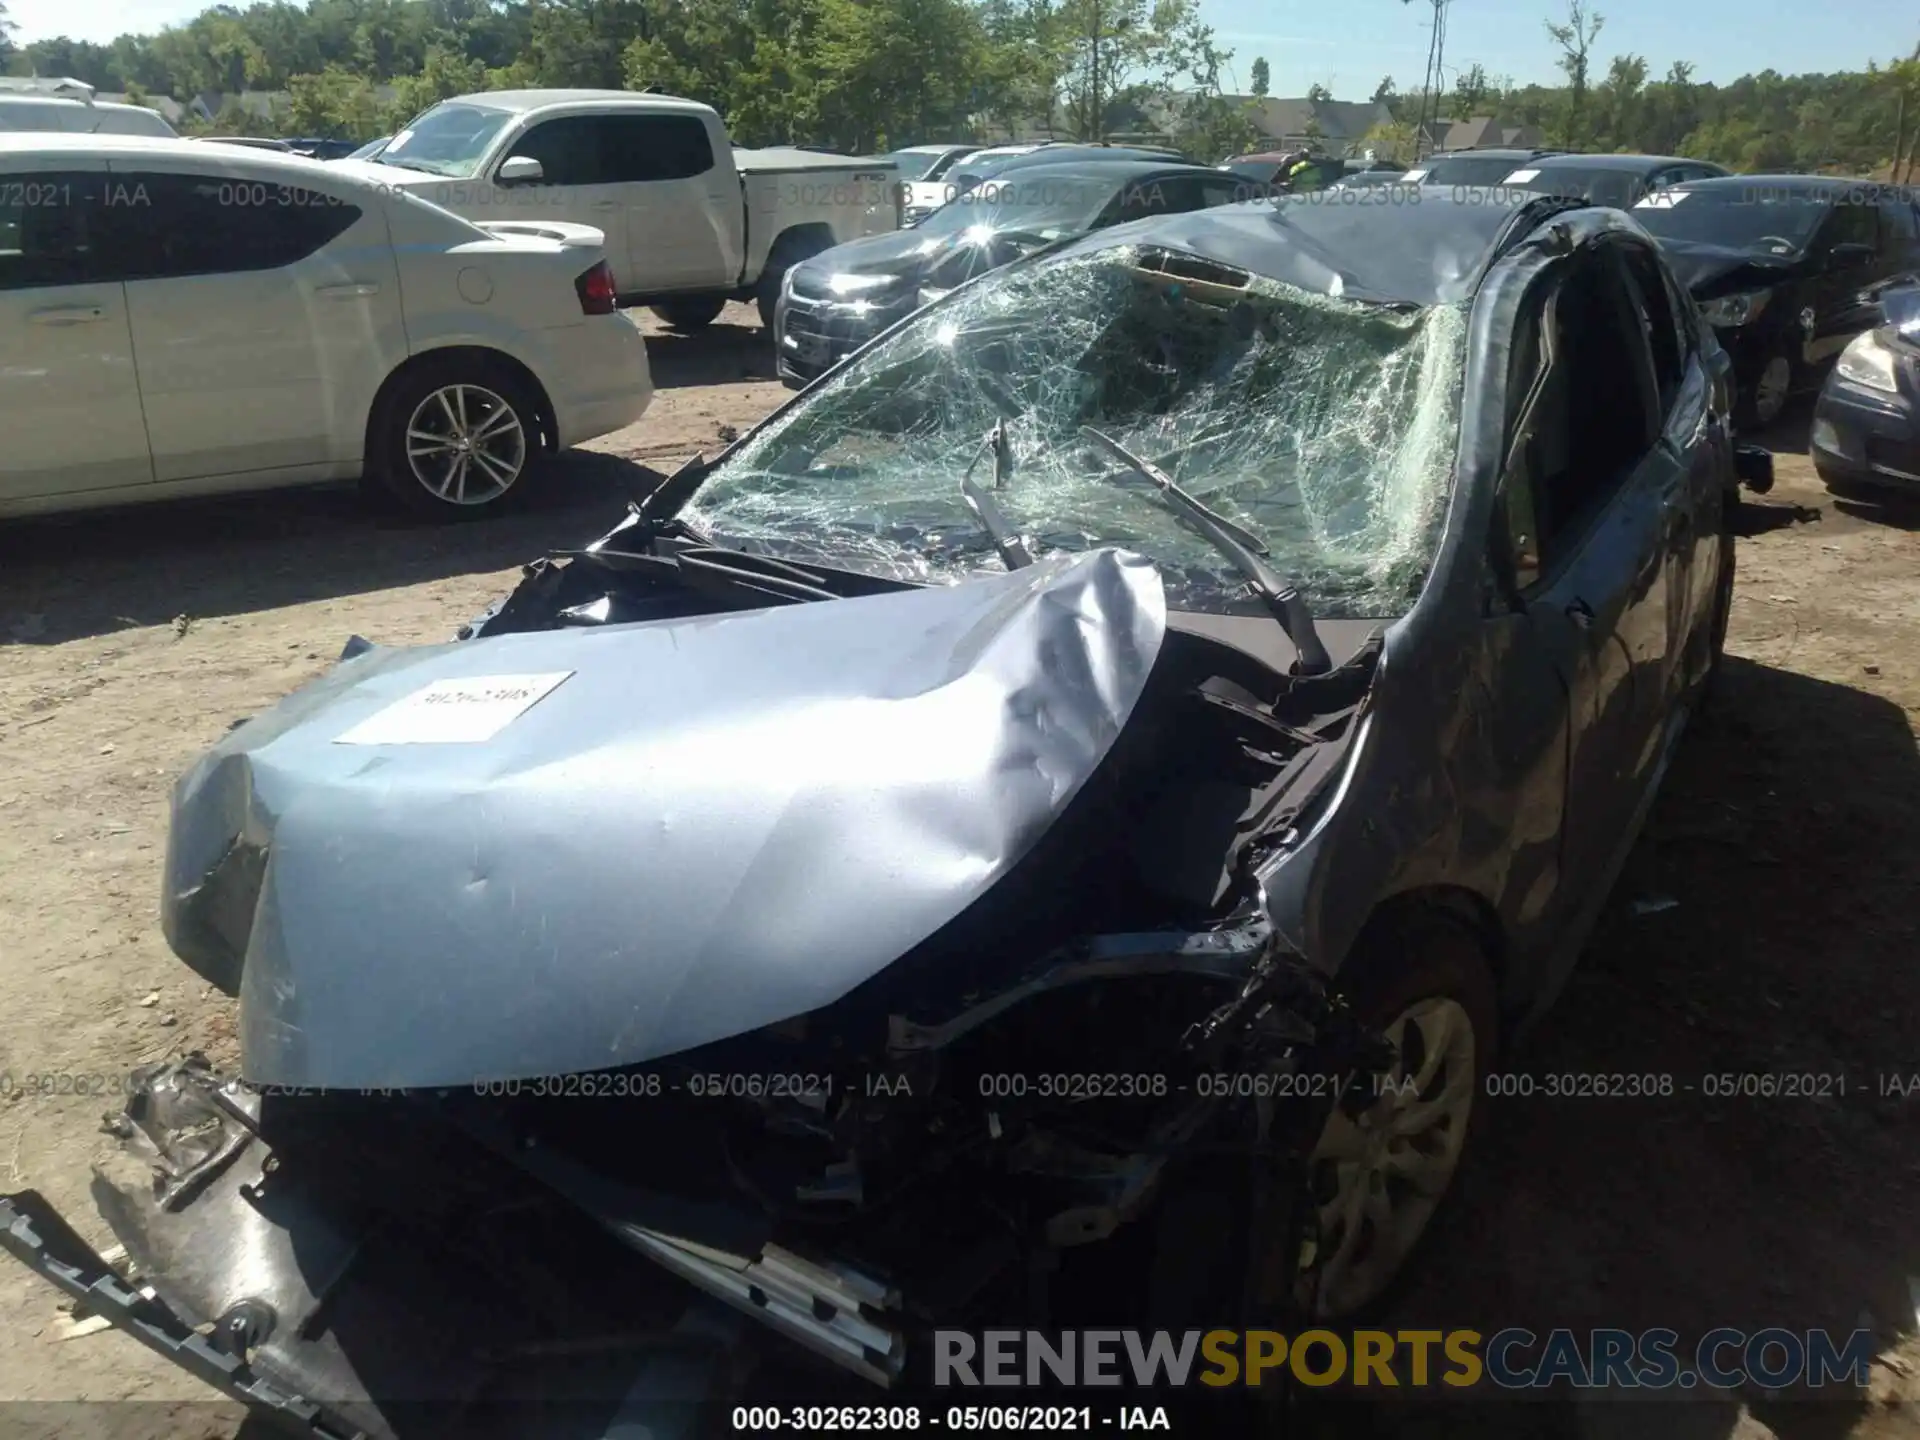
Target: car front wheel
1761,402
455,441
1385,1158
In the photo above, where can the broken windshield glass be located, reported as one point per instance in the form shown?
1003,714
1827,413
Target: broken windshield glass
1325,426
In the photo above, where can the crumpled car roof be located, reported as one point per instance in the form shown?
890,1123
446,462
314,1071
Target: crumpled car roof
1426,248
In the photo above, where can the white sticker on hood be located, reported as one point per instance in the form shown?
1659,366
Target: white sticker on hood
1413,177
455,712
1662,200
1520,177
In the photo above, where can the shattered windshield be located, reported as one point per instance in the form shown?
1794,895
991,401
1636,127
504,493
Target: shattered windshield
1779,221
1325,426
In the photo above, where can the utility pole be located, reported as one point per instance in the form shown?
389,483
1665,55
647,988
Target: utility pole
1094,117
1430,87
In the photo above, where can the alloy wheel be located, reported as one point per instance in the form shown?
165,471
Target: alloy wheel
1377,1177
466,444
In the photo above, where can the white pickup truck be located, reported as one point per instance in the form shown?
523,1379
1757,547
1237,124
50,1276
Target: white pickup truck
690,221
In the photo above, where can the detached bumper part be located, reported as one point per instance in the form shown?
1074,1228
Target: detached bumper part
34,1234
346,1325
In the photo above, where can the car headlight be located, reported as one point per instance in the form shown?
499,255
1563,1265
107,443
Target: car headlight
859,284
1868,362
1733,310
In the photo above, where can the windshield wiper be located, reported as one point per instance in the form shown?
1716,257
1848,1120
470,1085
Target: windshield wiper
1282,596
1008,541
414,165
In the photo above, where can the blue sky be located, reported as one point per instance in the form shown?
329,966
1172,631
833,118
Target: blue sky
1349,46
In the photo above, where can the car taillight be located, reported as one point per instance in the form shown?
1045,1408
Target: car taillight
595,289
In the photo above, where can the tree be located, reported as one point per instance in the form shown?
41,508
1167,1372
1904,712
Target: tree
1618,103
1575,39
1385,93
1393,142
7,28
1260,77
1318,94
1471,92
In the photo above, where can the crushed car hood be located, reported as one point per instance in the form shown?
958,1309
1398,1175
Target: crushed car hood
708,826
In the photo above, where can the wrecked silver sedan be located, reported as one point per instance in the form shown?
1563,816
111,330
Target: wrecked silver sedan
1055,822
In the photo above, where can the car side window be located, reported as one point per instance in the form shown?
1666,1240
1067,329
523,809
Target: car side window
158,225
1589,416
1658,321
47,220
1853,222
1225,190
568,150
653,147
1898,222
1154,197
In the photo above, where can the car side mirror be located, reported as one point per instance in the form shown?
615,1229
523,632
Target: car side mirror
1753,467
1846,256
520,170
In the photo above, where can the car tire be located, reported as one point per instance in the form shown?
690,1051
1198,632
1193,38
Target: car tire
1760,404
451,400
687,316
1224,1241
1425,978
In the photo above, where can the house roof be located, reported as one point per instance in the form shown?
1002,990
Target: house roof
1285,118
1482,131
166,105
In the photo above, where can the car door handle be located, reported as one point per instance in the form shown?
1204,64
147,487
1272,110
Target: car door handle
1580,613
348,292
68,315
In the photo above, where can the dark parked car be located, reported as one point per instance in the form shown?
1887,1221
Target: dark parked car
315,148
1486,166
886,879
986,165
1787,268
1621,181
1279,171
369,150
838,300
1866,426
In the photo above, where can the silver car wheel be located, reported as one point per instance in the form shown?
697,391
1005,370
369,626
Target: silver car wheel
466,444
1378,1177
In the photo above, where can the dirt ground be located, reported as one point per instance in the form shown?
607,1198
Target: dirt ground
1767,924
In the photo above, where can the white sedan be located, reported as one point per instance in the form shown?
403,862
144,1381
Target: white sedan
182,319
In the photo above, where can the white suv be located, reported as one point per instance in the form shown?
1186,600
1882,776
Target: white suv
182,319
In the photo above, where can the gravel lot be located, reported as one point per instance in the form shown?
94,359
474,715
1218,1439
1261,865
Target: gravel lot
1788,839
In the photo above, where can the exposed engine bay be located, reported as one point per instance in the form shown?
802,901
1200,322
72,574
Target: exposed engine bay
990,1039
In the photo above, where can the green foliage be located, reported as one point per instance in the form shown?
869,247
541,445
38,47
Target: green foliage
1260,77
1575,39
867,74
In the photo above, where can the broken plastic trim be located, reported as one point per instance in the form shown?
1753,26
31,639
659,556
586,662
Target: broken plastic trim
1217,954
34,1234
825,1309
